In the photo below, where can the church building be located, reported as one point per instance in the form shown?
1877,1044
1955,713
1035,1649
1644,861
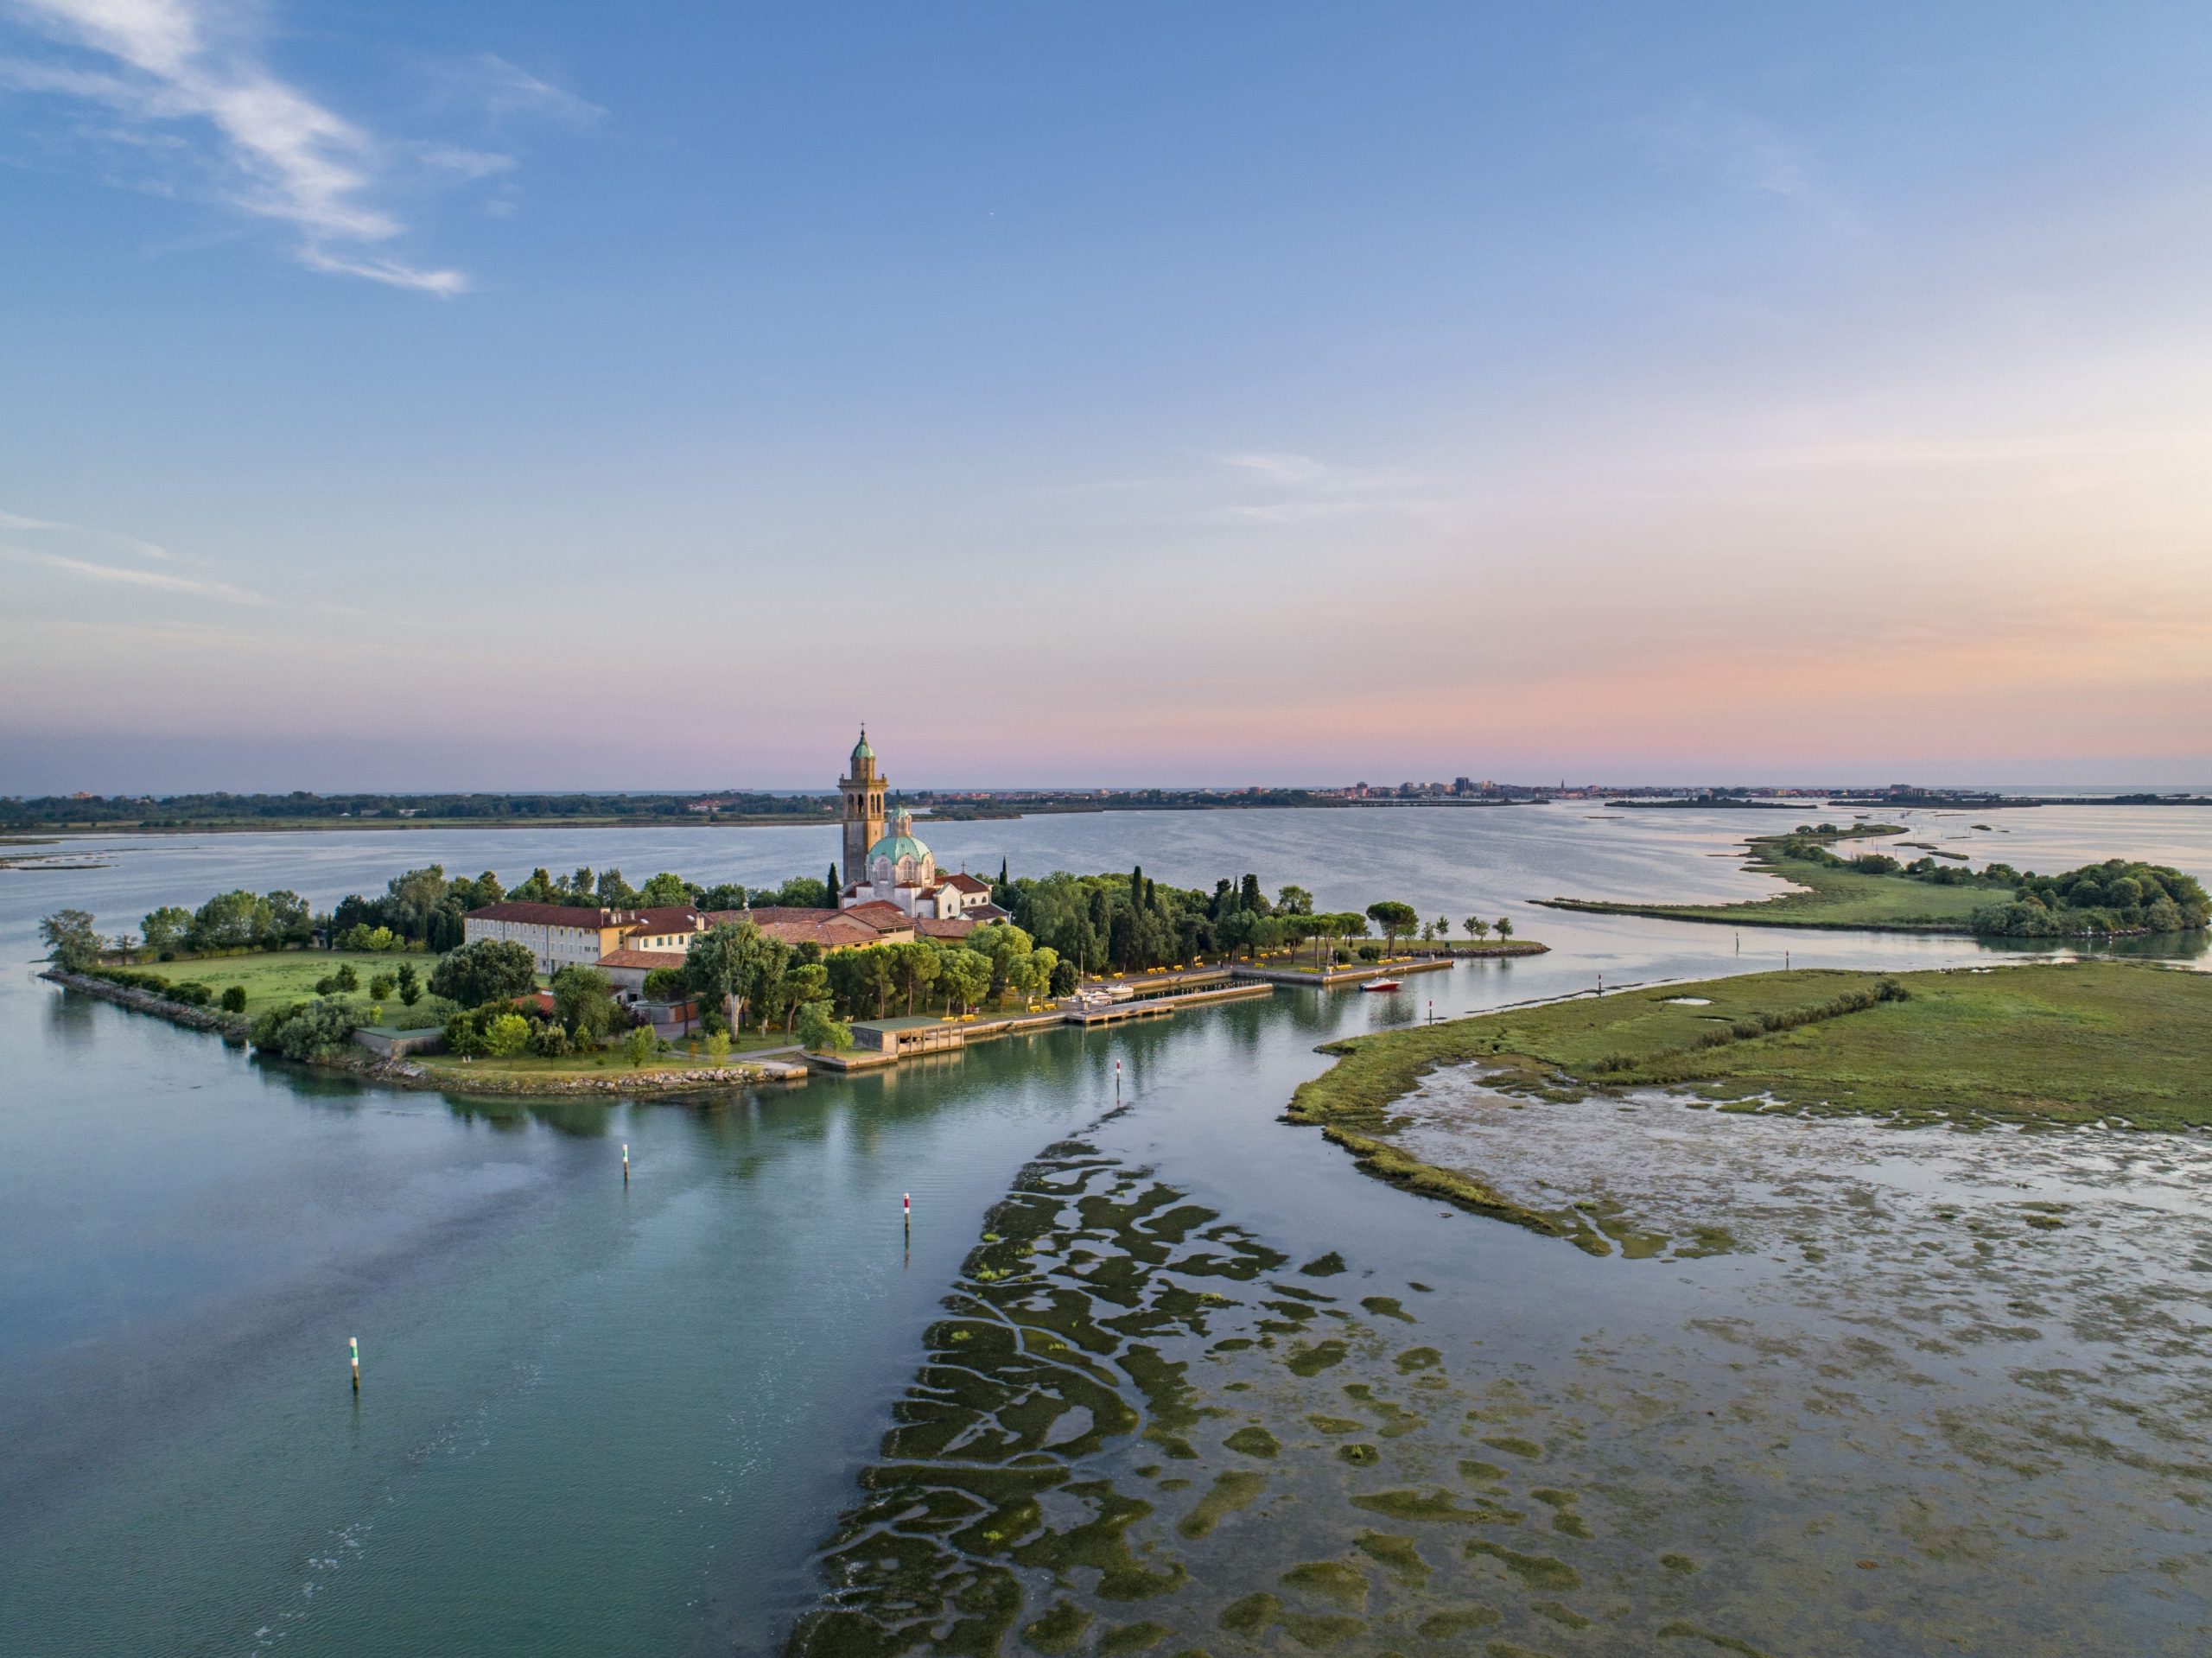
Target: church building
886,864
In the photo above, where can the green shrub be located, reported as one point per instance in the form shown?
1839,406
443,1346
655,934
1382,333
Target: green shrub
507,1034
346,978
304,1030
192,993
550,1041
382,986
639,1045
234,998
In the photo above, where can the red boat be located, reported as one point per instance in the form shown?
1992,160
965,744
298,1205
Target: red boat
1382,984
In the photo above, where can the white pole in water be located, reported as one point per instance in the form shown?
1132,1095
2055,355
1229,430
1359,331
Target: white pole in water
1117,1081
906,1207
626,1163
355,1342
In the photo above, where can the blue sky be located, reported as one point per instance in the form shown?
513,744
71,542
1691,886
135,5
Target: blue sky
570,396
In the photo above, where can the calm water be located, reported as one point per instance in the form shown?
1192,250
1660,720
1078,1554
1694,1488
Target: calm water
605,1420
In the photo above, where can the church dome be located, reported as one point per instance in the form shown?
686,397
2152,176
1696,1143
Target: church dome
900,845
861,750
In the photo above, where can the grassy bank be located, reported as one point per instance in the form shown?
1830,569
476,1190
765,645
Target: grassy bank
2049,1043
273,978
1829,897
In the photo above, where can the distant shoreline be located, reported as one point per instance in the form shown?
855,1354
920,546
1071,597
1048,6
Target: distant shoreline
963,812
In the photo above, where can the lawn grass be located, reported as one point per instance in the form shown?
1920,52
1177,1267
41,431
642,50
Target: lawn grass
2050,1043
1830,897
273,978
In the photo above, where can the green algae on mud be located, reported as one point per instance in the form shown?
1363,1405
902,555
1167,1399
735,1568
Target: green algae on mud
1021,1500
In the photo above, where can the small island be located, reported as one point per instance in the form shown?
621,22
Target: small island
583,983
1936,892
2044,1045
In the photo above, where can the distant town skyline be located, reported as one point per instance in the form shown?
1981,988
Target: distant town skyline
507,398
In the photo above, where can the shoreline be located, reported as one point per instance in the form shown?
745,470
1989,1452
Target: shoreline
1658,1038
360,1062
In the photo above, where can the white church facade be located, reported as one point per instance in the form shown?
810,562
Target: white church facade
885,863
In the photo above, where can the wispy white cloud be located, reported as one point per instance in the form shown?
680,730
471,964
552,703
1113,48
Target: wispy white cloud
143,549
162,580
503,88
1304,489
280,154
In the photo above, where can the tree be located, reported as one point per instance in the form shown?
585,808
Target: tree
1032,974
381,987
806,981
281,917
1444,928
507,1034
822,1031
225,921
667,890
1294,900
410,985
1393,917
665,984
71,943
491,970
1001,944
165,929
1249,898
1505,926
346,978
415,896
835,888
913,969
234,998
447,927
718,965
1477,929
584,1002
767,959
718,1046
965,974
720,899
638,1047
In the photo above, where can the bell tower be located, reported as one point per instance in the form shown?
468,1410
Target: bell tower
863,789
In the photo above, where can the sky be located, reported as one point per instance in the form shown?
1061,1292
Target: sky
561,396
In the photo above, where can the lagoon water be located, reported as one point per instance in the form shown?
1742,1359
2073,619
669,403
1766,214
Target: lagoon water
600,1419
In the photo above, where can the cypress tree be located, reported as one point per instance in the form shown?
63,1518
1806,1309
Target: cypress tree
1137,886
835,886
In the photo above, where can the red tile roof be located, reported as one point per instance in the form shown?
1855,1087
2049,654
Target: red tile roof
956,926
667,917
647,959
882,914
966,883
545,915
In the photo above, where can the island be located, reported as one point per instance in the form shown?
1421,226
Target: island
2043,1045
581,982
1934,892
